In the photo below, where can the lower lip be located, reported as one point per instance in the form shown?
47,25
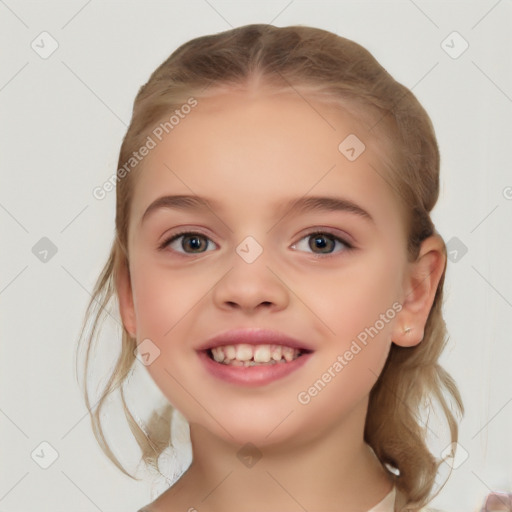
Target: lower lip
258,375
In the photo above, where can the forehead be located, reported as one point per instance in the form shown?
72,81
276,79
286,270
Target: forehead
249,149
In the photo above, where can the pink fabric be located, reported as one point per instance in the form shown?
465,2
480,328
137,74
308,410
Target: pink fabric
498,501
387,504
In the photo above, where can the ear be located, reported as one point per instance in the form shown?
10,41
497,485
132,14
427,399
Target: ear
125,297
419,290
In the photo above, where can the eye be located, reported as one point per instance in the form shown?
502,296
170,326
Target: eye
197,242
324,241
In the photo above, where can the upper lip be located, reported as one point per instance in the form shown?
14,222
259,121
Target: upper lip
253,336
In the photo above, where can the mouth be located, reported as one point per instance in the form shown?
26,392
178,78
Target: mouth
245,355
253,356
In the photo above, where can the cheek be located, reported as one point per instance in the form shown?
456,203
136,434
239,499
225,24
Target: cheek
164,297
355,308
165,303
356,297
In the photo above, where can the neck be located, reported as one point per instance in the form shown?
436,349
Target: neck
333,470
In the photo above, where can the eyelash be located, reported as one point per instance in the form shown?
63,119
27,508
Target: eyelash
348,246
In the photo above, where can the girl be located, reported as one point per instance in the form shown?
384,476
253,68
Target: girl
279,276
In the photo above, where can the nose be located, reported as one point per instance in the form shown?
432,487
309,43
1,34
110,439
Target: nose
250,287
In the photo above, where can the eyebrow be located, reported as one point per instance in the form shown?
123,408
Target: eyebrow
300,205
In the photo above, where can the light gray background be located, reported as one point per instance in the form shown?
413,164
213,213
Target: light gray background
63,119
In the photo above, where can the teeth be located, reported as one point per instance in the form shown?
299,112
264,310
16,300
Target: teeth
229,351
252,355
243,352
262,354
288,353
277,353
217,354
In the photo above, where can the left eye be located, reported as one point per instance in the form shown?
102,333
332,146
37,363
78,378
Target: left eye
195,241
324,241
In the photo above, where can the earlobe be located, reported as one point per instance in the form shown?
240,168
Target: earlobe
420,286
125,297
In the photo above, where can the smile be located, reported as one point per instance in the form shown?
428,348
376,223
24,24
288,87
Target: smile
245,355
252,356
252,365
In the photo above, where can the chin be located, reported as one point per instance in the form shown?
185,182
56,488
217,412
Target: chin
262,435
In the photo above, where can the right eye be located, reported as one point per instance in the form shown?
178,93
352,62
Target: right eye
189,239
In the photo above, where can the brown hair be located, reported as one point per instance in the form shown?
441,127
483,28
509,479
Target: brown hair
340,71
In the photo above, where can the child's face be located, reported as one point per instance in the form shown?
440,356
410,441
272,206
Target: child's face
250,155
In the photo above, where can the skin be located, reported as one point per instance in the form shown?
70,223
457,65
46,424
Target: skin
251,152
